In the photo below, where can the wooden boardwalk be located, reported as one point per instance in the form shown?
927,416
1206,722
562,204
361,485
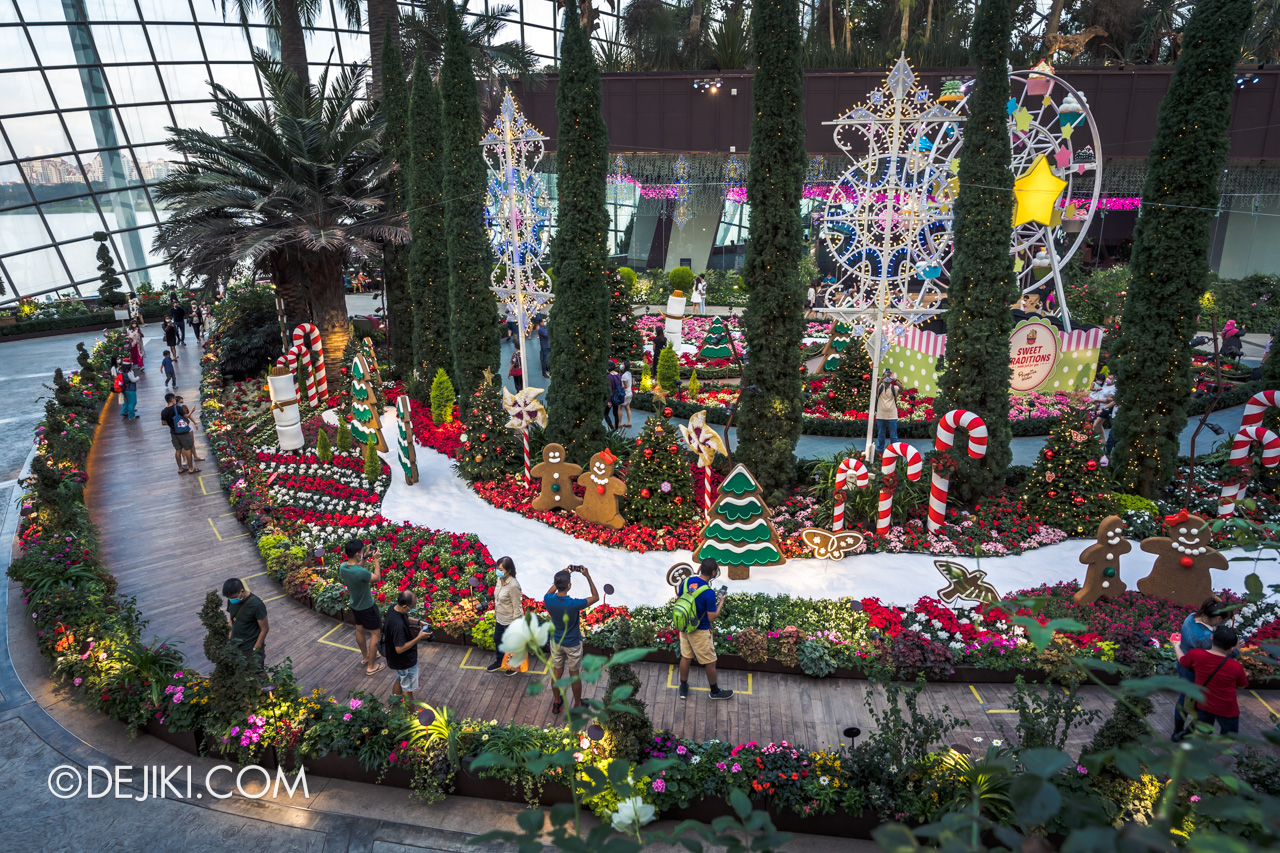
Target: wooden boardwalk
170,539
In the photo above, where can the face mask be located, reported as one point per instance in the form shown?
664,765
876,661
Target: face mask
234,601
500,573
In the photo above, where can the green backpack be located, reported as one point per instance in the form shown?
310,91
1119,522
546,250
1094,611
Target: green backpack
684,615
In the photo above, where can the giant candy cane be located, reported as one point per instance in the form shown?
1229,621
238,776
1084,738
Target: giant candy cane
1241,447
1257,406
945,440
302,356
308,336
888,462
861,479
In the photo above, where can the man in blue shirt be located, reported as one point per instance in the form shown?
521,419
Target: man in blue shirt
566,630
699,643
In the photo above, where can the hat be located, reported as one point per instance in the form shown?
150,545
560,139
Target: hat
127,361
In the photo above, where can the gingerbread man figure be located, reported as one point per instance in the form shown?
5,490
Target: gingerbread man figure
1183,561
1102,578
557,475
600,504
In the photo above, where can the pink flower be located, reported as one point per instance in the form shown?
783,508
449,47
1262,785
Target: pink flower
1082,770
355,703
659,785
346,717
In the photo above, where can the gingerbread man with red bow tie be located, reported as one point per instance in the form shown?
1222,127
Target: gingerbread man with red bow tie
602,490
1183,561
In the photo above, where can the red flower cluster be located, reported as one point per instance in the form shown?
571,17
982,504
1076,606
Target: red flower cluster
328,487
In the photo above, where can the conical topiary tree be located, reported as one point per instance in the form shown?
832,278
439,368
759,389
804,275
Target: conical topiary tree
442,398
395,256
848,384
109,290
982,279
343,440
428,247
667,376
1068,486
740,533
324,450
659,485
1170,264
372,464
624,337
716,343
489,450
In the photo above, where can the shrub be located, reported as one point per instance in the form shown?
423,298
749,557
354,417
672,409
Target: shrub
752,645
693,385
628,278
442,398
913,653
815,659
668,374
324,451
627,732
246,331
372,464
343,440
1046,715
681,279
482,633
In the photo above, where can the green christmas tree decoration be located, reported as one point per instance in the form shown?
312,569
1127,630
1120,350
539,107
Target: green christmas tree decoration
668,373
837,339
489,450
716,343
769,418
1170,264
1068,487
442,398
372,464
343,440
623,334
324,451
109,290
646,378
580,333
740,533
659,485
848,386
983,284
473,309
366,423
395,256
428,247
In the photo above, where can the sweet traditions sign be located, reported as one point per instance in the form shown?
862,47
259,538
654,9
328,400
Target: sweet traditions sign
1034,349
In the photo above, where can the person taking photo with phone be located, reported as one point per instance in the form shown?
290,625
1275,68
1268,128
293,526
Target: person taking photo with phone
696,640
565,614
359,580
403,633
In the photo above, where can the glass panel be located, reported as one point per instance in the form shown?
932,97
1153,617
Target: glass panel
126,209
69,180
82,257
8,12
92,129
22,229
36,271
13,193
135,84
165,10
225,43
37,11
174,43
263,40
24,91
71,220
14,50
355,48
112,169
155,161
146,124
120,42
320,45
68,87
107,10
240,78
36,136
147,236
186,82
197,115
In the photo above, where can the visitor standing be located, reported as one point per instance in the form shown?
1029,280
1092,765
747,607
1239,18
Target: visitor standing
544,346
181,433
134,337
512,332
170,378
613,400
402,643
1219,676
359,580
516,371
810,297
171,338
194,421
129,387
887,409
697,642
508,606
249,627
659,344
628,389
565,614
113,372
196,319
1197,633
179,316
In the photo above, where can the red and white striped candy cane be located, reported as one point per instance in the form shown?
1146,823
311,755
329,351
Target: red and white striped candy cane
309,336
945,440
1257,407
889,461
861,479
706,492
289,361
303,357
528,475
1241,451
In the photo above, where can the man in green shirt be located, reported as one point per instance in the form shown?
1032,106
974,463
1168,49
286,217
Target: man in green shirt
359,581
248,623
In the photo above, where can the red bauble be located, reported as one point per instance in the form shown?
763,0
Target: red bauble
484,436
637,442
673,448
866,377
666,413
648,453
1053,494
644,493
1048,454
831,395
1187,562
1092,465
599,490
679,499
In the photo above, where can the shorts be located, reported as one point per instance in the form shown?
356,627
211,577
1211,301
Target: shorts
408,678
1104,418
513,327
566,655
698,645
183,440
369,618
626,399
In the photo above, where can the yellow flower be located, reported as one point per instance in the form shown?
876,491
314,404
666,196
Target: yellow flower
366,731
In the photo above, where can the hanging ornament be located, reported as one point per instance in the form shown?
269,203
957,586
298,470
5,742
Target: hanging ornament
644,493
648,453
666,413
1048,454
666,487
673,448
1092,465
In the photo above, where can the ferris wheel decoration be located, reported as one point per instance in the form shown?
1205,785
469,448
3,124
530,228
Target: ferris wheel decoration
887,220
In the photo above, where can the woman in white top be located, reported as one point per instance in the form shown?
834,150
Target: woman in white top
627,381
701,289
695,296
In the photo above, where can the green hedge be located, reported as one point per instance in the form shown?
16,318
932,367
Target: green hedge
94,319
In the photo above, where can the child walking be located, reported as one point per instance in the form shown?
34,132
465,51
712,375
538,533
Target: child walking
170,378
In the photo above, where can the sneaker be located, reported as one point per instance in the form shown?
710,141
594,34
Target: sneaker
557,707
721,693
494,667
684,691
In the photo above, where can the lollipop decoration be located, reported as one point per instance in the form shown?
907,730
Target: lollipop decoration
307,335
1241,447
946,439
706,443
524,410
888,462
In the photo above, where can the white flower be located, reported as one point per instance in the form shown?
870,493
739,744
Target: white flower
524,636
823,780
997,743
632,812
977,740
694,760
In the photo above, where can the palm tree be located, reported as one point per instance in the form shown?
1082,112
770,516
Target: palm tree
381,13
289,18
495,64
292,188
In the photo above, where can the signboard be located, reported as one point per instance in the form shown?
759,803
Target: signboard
1034,349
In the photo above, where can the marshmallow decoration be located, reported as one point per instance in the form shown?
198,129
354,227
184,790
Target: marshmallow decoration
674,321
284,408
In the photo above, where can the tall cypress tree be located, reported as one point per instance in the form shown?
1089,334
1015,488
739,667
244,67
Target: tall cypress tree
771,407
1170,263
474,311
982,279
395,256
428,249
579,328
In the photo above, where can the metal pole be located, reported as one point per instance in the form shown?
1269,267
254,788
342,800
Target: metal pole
1057,278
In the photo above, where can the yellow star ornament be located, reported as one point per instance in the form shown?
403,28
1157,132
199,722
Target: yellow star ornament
1036,194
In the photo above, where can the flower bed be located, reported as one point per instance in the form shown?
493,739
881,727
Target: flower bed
694,328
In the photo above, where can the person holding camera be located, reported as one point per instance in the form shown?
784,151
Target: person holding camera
359,581
887,409
402,643
565,614
699,642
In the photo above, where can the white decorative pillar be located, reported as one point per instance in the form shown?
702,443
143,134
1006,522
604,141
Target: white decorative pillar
284,408
674,320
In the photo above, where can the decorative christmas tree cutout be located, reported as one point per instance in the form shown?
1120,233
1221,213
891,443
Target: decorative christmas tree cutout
660,487
371,359
406,453
1067,483
716,344
849,379
489,452
366,425
837,339
740,533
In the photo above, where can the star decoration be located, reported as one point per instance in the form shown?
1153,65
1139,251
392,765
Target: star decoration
659,394
487,377
1022,119
1036,194
524,408
702,439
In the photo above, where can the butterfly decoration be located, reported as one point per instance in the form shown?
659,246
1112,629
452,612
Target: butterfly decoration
1050,476
1079,436
830,546
965,583
524,409
702,439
